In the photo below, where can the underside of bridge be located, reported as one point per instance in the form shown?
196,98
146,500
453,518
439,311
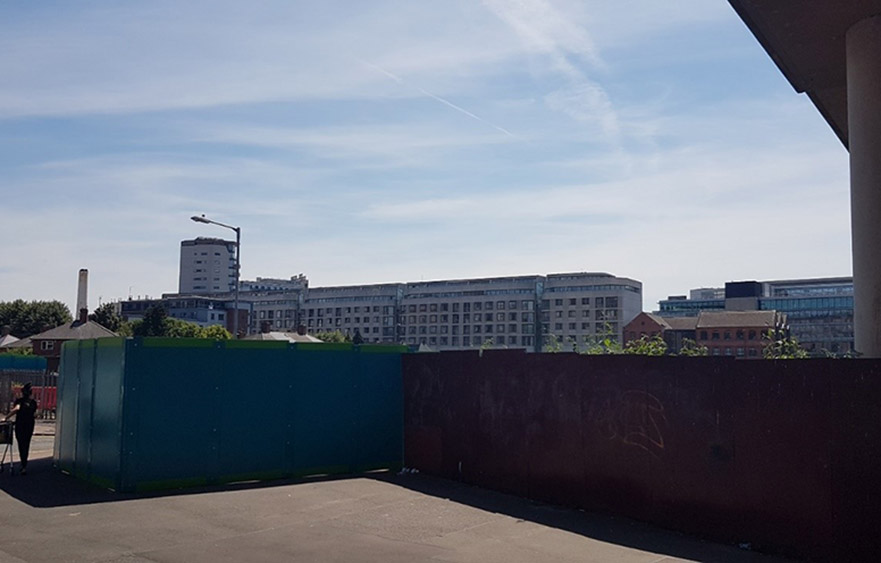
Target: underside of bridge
831,51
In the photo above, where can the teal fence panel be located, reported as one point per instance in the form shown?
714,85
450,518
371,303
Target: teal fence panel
84,405
142,414
106,423
380,411
17,362
324,399
170,433
252,410
68,393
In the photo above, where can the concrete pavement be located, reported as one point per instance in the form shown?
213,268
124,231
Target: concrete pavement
48,516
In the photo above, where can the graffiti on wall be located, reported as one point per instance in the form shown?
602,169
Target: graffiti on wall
633,417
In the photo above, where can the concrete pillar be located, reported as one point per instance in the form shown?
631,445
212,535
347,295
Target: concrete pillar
864,140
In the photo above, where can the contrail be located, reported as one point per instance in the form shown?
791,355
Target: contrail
447,103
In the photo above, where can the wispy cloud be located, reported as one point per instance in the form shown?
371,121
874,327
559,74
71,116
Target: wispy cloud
546,31
444,101
502,137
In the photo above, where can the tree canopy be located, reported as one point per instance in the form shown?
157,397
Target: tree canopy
156,322
27,318
647,346
106,316
333,336
781,347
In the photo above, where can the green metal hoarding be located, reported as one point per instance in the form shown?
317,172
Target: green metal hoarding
153,413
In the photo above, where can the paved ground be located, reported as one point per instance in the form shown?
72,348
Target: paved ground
47,516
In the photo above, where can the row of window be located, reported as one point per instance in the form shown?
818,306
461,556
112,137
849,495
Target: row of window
339,322
599,314
456,318
472,329
524,305
331,311
813,303
468,341
606,302
599,328
727,335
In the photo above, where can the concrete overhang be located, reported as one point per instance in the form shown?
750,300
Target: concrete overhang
806,39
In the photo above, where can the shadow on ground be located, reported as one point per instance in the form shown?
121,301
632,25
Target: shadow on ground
46,487
602,527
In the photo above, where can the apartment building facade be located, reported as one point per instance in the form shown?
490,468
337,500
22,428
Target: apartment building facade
469,313
581,308
511,311
373,311
207,266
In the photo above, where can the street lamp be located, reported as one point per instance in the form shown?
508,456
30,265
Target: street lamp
238,230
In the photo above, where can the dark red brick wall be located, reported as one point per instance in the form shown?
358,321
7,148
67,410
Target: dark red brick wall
783,455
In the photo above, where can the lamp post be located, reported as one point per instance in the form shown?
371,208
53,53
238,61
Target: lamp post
238,230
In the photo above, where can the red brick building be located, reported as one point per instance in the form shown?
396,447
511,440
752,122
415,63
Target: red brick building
674,330
48,344
738,333
644,324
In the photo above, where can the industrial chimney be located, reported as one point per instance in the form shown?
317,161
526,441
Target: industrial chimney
82,296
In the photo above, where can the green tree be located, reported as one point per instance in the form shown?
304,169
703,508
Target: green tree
126,328
106,316
782,347
176,328
216,332
154,323
646,346
551,344
27,318
605,342
691,348
335,336
490,343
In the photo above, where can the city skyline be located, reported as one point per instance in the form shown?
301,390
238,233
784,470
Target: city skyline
364,144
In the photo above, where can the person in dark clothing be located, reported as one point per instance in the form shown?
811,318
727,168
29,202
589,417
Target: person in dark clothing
25,409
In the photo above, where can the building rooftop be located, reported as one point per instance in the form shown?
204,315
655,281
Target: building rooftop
681,323
726,319
76,330
806,40
6,340
283,337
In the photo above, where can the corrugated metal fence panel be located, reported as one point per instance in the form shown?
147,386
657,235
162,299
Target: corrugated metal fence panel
68,396
201,412
84,406
171,429
251,409
106,440
325,412
782,454
380,414
856,459
155,413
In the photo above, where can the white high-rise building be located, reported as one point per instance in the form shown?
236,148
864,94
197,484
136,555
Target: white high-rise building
207,265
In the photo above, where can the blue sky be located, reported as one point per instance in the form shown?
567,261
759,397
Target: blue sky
367,142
